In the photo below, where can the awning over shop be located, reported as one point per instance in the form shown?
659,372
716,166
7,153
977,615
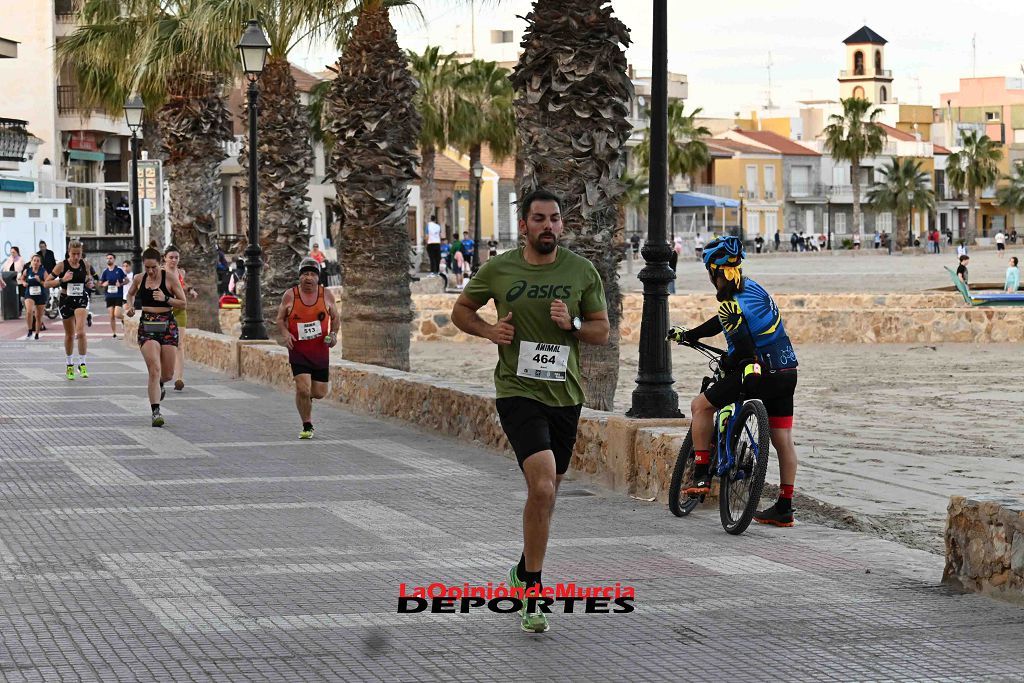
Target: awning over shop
697,200
7,185
81,155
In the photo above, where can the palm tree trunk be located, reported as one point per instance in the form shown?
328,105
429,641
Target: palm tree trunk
972,216
285,159
429,186
373,118
855,183
902,228
571,108
195,123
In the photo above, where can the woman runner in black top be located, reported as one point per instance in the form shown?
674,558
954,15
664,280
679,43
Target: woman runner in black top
158,331
72,277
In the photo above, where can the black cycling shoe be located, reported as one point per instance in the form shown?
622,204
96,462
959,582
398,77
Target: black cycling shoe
701,480
775,516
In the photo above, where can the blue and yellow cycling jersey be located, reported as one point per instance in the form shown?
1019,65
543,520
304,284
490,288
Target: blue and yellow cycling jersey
753,316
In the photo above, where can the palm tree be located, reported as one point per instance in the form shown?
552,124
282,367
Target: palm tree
1011,195
687,151
483,115
854,136
155,48
572,107
634,195
971,170
436,102
904,188
373,120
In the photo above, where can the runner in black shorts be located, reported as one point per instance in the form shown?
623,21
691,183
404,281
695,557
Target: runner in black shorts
754,332
548,300
113,280
72,277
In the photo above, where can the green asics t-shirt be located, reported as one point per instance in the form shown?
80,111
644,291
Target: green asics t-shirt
542,372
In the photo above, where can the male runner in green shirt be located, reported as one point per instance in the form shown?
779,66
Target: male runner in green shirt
548,300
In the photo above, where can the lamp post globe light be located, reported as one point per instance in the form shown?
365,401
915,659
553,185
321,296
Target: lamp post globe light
134,109
253,49
478,174
654,396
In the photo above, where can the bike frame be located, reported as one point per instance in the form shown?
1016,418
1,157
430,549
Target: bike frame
723,442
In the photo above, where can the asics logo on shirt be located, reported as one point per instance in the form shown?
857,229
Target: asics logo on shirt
520,287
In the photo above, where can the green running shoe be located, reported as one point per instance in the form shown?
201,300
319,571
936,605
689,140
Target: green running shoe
71,372
158,419
306,434
82,372
534,622
515,582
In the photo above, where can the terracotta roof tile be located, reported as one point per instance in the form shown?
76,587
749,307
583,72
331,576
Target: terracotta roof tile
506,169
447,169
939,149
779,143
741,147
304,80
896,133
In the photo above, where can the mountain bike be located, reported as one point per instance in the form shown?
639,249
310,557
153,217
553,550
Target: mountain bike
739,454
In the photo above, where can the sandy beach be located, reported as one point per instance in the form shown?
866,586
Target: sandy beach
887,432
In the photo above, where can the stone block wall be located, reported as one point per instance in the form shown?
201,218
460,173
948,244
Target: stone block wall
985,546
809,318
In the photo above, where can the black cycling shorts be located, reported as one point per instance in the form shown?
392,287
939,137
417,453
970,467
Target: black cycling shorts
315,374
532,427
775,389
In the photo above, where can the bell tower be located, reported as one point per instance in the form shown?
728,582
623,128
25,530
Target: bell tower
864,74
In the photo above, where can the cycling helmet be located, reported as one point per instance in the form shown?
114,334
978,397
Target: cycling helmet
723,252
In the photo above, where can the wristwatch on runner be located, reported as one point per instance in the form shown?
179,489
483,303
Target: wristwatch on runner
577,324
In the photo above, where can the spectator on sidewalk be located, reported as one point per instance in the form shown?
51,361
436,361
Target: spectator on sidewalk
46,254
778,240
1000,240
433,235
317,255
961,270
1012,283
16,264
793,239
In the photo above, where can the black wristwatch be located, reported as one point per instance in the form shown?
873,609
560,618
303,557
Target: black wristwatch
577,324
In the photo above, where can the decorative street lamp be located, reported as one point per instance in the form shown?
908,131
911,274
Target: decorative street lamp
253,48
133,111
478,174
654,396
742,194
828,214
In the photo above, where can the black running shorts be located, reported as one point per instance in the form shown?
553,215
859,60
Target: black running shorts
316,374
532,427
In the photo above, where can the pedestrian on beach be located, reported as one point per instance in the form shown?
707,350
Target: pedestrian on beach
961,270
1012,283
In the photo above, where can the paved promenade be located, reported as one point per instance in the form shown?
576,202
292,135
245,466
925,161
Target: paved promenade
222,548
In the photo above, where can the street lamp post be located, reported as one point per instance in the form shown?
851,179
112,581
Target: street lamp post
478,174
253,48
654,396
742,193
133,111
828,214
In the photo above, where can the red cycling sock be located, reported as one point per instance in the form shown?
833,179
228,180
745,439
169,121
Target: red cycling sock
702,457
785,490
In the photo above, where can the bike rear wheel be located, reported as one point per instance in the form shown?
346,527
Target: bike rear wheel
679,503
740,487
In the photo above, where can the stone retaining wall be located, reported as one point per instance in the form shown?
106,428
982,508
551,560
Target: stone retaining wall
810,318
985,546
631,456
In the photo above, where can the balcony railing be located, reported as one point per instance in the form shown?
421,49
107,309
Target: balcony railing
806,190
66,10
69,102
866,73
715,190
13,139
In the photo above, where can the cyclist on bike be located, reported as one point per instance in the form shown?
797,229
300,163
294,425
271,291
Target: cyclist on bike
760,362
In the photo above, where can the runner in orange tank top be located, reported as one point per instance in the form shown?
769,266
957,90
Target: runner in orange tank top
308,320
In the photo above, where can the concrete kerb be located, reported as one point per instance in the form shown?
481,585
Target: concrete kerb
626,455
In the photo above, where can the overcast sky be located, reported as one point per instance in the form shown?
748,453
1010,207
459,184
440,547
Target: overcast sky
723,46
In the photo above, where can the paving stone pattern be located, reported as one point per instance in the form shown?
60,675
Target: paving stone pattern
222,548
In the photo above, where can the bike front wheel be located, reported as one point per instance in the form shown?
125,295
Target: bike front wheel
740,487
682,504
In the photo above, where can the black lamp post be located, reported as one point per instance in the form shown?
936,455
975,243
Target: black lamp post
654,396
742,194
253,48
828,214
478,174
133,111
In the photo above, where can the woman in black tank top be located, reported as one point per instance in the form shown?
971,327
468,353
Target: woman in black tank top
73,305
158,331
